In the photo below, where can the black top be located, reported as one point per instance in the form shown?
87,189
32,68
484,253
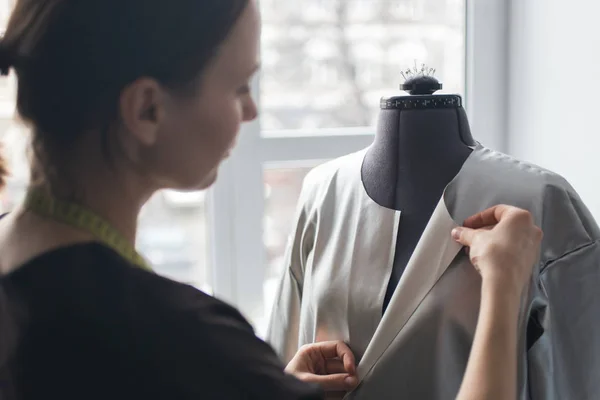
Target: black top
91,326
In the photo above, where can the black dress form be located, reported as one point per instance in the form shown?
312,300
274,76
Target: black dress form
421,143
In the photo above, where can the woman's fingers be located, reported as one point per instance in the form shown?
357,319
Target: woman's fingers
335,366
488,217
329,364
503,243
464,236
333,382
339,350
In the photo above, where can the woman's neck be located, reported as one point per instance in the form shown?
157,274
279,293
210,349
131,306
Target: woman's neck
113,197
107,183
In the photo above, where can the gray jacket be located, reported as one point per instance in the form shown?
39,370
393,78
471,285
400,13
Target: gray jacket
339,260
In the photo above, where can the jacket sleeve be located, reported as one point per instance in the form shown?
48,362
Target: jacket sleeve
564,361
283,330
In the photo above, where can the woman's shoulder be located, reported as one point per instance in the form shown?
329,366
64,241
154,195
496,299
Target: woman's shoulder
92,278
97,271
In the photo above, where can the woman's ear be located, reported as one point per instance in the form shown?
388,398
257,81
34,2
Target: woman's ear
142,107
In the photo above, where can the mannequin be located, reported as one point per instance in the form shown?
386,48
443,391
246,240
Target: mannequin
421,138
371,233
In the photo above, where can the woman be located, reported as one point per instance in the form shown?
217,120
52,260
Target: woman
127,97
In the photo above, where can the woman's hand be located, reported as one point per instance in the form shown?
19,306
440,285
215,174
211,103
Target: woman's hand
330,364
503,245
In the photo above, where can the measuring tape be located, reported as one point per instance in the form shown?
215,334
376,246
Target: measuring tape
84,219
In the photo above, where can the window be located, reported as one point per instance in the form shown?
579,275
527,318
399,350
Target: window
351,53
173,237
319,98
326,63
283,182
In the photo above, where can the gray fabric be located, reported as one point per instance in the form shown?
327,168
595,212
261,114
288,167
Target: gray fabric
332,284
340,256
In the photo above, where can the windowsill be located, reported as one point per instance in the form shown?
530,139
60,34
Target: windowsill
317,132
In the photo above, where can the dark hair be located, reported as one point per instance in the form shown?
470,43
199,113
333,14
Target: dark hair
73,58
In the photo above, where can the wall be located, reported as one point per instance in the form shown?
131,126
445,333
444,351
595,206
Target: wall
554,77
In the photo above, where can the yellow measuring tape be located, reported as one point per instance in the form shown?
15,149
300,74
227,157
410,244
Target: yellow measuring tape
84,219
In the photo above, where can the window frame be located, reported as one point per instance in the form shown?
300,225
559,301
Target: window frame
235,204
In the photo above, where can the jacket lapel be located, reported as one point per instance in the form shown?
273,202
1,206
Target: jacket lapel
432,256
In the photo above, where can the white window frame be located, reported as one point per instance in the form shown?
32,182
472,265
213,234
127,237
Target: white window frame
235,205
